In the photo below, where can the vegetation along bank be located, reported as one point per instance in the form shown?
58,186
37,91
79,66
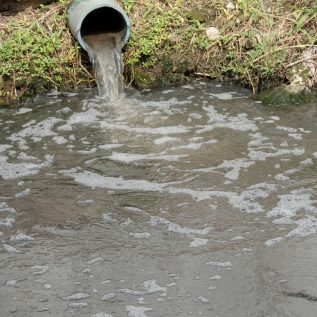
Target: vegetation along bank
267,45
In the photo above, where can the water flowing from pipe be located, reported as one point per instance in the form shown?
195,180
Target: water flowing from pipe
105,55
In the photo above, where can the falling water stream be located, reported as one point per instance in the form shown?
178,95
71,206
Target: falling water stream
190,201
106,57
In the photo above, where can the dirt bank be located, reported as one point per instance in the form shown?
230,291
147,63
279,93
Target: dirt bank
259,44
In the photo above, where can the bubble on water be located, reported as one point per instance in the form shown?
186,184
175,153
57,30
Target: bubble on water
47,286
101,315
215,277
134,311
237,238
109,296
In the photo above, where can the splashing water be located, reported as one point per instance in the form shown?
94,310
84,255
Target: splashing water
105,55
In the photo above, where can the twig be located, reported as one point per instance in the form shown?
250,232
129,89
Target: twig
301,60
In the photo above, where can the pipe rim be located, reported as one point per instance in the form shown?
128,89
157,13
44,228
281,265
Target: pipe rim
116,7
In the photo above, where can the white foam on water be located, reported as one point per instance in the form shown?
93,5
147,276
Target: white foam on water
40,269
290,204
109,296
24,157
296,136
4,147
13,283
7,222
220,264
95,260
257,155
173,227
180,129
274,241
17,170
166,139
94,180
307,162
236,166
47,286
10,248
287,129
78,305
198,242
101,315
23,194
41,129
85,202
203,299
127,222
237,238
20,236
76,296
218,120
88,117
4,207
60,140
140,235
215,277
24,110
134,311
152,287
28,124
305,227
109,146
128,157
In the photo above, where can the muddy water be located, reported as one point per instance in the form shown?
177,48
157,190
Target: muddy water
193,201
106,58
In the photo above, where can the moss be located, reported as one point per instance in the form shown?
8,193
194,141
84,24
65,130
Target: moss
282,96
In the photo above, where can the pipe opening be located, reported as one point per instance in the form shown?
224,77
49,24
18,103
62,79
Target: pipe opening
103,21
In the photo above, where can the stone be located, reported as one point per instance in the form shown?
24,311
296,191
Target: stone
213,33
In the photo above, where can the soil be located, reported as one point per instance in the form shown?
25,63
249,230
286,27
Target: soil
14,6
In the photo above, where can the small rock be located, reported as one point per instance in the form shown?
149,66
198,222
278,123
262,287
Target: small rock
213,33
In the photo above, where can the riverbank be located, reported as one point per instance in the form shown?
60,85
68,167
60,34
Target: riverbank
261,45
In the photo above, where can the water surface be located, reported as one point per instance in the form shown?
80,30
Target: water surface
193,201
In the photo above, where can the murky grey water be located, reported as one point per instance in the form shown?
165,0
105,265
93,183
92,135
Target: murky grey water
193,201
